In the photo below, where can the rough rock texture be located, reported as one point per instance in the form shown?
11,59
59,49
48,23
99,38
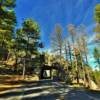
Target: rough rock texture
93,85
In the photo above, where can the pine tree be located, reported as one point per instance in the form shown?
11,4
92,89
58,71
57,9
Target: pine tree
97,19
7,22
28,40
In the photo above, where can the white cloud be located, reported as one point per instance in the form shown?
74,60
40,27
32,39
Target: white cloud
91,39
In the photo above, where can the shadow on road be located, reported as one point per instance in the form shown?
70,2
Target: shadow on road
47,90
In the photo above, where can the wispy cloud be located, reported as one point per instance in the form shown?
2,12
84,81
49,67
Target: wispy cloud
91,39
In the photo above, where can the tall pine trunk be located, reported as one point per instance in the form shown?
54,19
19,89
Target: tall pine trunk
24,68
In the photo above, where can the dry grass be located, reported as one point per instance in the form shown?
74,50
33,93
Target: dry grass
13,81
7,87
9,82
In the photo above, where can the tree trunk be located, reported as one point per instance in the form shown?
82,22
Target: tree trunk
77,72
70,57
16,70
24,68
77,76
60,52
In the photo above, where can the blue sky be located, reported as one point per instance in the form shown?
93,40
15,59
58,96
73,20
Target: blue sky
50,12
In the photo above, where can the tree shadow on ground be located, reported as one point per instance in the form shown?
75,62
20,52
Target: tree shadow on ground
44,90
81,94
43,97
31,88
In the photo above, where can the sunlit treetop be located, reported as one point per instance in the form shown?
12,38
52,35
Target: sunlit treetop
97,13
31,26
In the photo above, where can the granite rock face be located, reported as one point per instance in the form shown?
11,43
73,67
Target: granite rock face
93,85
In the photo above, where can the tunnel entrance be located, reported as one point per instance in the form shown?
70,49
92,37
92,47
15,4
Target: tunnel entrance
46,72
